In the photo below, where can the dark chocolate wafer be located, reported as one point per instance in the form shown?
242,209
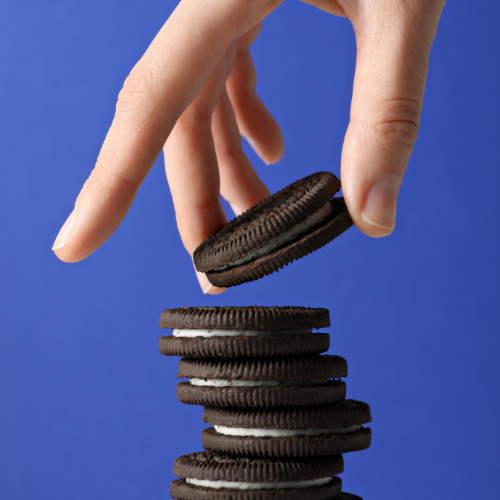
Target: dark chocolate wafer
212,476
230,332
284,227
288,432
317,237
245,318
330,392
239,347
262,382
325,366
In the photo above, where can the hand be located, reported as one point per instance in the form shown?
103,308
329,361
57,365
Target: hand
195,86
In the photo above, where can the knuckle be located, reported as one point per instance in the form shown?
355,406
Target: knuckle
194,122
136,92
398,131
254,7
399,123
232,157
248,11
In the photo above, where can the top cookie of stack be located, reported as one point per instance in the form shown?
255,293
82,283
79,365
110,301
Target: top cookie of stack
235,332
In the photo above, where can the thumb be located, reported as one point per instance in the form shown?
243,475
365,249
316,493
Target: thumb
394,41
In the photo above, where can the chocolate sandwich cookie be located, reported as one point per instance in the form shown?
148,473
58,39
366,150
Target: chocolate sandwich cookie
209,476
231,332
288,432
285,227
262,382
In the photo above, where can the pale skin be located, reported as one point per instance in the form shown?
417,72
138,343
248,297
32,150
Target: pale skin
192,94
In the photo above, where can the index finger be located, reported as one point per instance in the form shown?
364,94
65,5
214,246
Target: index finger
159,88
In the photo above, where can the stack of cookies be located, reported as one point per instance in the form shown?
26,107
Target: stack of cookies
277,409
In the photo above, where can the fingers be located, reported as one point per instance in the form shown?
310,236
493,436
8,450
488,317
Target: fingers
159,88
394,43
193,161
240,185
192,172
254,120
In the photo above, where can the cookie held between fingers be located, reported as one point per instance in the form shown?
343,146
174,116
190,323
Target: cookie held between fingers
212,476
233,332
292,223
288,432
262,382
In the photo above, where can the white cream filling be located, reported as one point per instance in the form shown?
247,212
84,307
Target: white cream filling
237,485
240,431
285,238
201,332
254,383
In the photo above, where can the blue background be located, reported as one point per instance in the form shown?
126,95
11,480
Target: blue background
88,408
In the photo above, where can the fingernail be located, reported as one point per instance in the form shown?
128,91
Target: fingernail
65,232
206,286
380,204
236,209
